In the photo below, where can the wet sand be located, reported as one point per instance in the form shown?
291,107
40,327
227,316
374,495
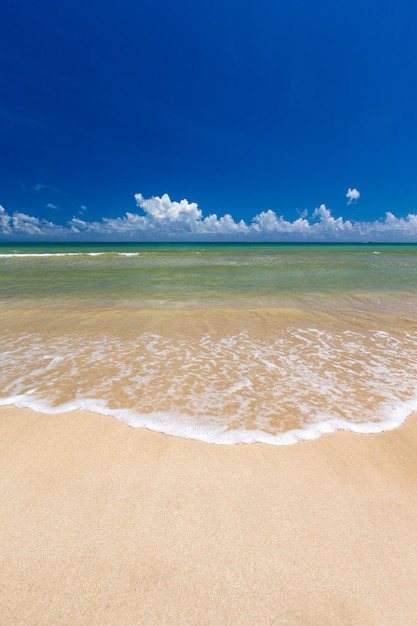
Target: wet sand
103,524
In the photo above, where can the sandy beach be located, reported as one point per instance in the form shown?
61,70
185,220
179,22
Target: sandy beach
104,524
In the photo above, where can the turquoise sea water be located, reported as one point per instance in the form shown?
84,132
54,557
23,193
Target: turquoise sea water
178,271
219,342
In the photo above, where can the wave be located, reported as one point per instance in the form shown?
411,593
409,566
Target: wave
295,385
178,425
64,254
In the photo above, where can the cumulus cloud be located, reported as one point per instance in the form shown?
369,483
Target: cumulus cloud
327,223
352,195
268,223
164,210
163,219
21,225
5,226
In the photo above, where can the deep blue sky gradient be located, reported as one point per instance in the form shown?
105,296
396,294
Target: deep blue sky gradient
238,106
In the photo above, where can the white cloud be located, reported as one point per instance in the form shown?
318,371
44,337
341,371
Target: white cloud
267,222
224,225
352,195
42,187
328,224
50,206
163,219
163,210
26,226
5,222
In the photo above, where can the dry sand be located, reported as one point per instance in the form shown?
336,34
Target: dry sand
103,524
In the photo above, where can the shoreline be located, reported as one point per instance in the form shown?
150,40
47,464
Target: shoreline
106,524
310,432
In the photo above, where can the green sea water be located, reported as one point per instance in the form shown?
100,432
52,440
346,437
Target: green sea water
184,272
224,343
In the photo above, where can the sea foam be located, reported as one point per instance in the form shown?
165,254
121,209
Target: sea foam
297,384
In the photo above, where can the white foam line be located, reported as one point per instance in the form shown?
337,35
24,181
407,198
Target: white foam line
48,254
178,426
56,254
207,393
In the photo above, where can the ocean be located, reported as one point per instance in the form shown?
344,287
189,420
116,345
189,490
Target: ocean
223,343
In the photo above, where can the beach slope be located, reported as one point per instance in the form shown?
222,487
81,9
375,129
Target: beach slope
103,524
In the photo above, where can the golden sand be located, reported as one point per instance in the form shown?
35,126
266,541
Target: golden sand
101,524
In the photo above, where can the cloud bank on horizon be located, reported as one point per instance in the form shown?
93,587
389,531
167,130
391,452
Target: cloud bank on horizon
163,219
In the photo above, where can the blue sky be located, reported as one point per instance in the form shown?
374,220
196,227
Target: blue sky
117,119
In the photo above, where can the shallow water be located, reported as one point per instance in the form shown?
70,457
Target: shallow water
222,343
